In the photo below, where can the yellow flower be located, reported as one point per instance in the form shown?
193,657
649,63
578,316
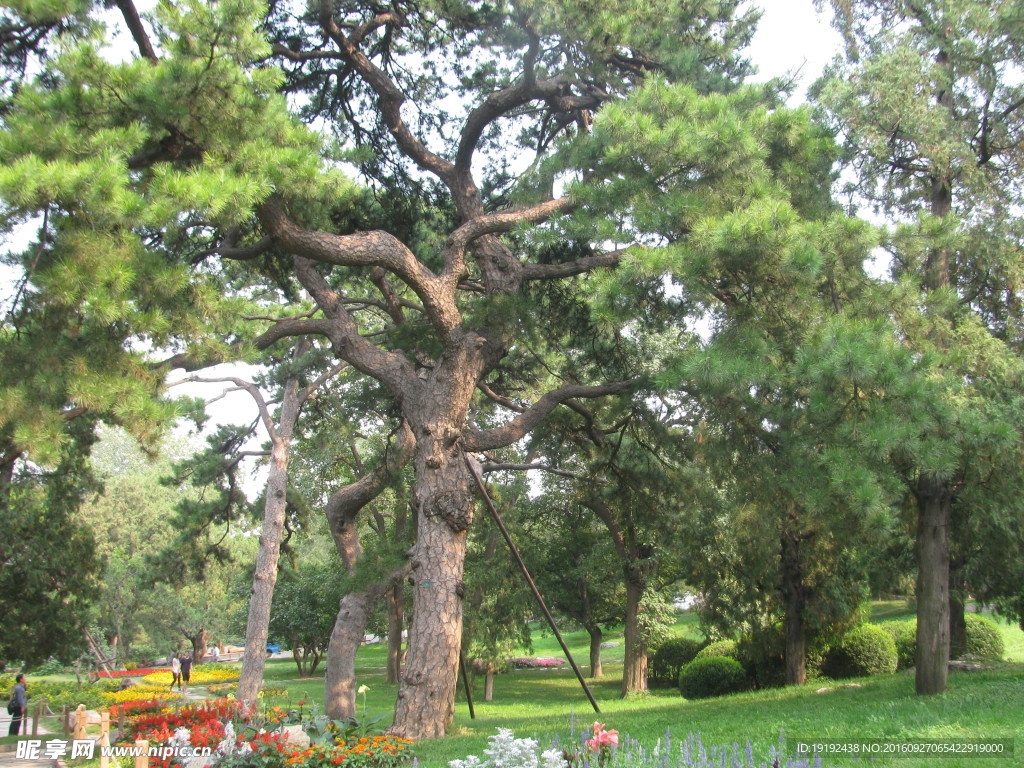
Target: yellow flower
363,689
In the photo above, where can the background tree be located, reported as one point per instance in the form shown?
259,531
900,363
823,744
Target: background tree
933,122
48,564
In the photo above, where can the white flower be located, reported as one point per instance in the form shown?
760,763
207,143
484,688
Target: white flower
552,758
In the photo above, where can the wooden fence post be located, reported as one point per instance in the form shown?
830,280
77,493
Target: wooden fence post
65,724
104,739
35,720
142,754
80,722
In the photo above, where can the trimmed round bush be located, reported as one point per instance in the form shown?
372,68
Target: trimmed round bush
670,658
904,635
864,650
984,638
725,648
711,676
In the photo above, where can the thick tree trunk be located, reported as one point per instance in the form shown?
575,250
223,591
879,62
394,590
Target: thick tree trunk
793,595
634,671
934,504
596,636
264,578
444,510
199,641
957,611
396,621
340,675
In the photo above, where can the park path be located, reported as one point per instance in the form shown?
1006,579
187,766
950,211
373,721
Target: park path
7,751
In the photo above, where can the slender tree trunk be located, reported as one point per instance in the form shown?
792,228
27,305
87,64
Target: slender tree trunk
934,504
340,675
596,636
957,610
264,577
634,671
444,510
793,596
489,683
396,621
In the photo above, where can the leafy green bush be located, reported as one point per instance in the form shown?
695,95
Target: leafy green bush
864,650
725,648
670,658
904,635
711,676
983,638
49,667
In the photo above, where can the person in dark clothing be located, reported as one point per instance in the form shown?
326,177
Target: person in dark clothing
186,670
19,704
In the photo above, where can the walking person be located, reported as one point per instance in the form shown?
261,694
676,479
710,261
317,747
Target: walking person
186,671
175,671
18,705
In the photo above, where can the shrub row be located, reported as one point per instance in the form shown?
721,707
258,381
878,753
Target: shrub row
983,639
728,666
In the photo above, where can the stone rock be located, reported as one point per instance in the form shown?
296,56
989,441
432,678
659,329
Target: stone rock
837,687
295,736
610,645
92,717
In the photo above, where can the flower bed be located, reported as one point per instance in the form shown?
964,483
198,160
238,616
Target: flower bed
135,708
212,724
133,672
140,692
204,673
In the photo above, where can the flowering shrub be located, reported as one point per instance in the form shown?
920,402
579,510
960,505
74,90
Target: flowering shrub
506,751
204,673
541,662
222,688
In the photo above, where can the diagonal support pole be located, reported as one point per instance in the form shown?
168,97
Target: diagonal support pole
529,579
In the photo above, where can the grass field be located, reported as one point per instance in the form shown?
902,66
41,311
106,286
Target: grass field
549,703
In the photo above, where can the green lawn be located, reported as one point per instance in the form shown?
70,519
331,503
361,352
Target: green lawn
549,703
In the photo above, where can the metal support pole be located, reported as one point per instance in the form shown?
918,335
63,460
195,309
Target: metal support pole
529,580
465,682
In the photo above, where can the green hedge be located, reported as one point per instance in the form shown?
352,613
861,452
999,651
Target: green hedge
984,638
904,635
863,651
725,648
670,658
711,676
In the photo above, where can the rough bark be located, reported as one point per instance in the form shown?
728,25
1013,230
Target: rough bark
343,510
957,610
340,675
596,636
934,505
793,593
264,577
444,510
199,641
634,669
